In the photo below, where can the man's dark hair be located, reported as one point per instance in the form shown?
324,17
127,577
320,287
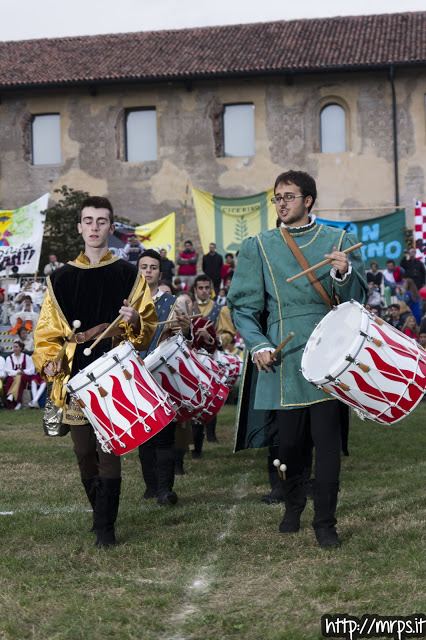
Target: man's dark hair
188,242
186,293
21,329
202,278
301,179
395,306
98,202
390,261
151,253
168,283
229,254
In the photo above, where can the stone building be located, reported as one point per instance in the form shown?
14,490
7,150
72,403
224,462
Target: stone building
135,115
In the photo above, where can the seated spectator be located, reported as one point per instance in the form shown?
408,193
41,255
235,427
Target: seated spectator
52,265
410,295
422,339
374,298
374,275
423,325
38,386
411,328
133,249
27,339
228,267
221,298
375,310
393,316
26,314
19,371
167,267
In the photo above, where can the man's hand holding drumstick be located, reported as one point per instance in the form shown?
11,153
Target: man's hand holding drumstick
339,261
131,316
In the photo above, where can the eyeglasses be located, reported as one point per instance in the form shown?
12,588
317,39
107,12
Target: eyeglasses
287,197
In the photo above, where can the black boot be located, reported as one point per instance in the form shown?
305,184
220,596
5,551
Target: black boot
106,510
295,501
166,476
211,430
324,522
277,484
179,456
198,436
149,470
89,485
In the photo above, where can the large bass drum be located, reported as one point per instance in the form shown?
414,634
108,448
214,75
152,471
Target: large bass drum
366,363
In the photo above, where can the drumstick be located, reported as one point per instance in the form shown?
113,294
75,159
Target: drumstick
76,325
324,262
282,345
199,315
88,350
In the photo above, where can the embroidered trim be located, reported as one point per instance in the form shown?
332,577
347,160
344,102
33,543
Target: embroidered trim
95,265
279,309
306,404
303,232
259,345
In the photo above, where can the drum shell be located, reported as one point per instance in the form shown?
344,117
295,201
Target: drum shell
121,399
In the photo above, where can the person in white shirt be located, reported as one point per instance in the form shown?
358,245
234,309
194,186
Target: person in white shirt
19,371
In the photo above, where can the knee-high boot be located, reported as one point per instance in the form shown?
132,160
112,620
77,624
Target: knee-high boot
277,484
198,435
211,430
149,471
89,485
166,475
106,510
179,456
295,501
325,504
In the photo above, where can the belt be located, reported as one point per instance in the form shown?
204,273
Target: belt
94,332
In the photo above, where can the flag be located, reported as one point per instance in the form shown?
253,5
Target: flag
383,238
420,229
21,235
159,234
229,221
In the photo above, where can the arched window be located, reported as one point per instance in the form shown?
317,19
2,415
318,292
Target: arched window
333,129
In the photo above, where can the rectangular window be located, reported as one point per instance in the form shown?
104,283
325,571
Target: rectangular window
46,139
238,130
141,135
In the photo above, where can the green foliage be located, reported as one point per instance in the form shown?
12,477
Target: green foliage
60,231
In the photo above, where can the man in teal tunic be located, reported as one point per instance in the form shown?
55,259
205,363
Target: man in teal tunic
258,288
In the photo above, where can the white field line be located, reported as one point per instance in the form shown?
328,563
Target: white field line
200,582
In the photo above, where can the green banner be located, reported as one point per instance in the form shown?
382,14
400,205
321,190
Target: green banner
383,238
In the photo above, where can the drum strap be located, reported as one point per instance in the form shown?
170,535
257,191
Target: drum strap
94,332
330,302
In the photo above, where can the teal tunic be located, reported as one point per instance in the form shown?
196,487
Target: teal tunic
259,282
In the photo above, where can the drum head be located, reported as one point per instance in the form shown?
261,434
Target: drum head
334,338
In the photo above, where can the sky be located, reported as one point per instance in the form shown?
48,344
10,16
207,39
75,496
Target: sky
26,19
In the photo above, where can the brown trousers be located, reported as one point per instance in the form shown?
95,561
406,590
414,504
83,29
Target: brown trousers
92,461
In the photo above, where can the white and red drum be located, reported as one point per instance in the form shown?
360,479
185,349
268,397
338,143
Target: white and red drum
232,366
366,363
121,400
192,387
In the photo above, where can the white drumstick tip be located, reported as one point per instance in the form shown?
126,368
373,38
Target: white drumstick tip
276,463
76,324
87,351
283,467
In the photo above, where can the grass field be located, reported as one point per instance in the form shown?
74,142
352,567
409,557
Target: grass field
214,566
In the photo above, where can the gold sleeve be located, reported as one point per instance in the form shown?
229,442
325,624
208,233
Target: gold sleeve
49,336
148,316
225,328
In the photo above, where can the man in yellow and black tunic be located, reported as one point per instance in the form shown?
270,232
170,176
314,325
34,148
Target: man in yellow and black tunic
94,289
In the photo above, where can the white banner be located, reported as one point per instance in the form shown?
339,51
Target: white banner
21,235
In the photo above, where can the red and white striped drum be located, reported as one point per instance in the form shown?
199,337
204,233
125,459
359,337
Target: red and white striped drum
121,400
194,389
366,363
232,366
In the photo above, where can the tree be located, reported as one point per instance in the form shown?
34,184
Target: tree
60,231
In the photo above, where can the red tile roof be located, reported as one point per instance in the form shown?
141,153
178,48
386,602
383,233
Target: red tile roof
351,42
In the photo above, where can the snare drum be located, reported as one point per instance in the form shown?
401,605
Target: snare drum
366,363
232,366
191,386
121,400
